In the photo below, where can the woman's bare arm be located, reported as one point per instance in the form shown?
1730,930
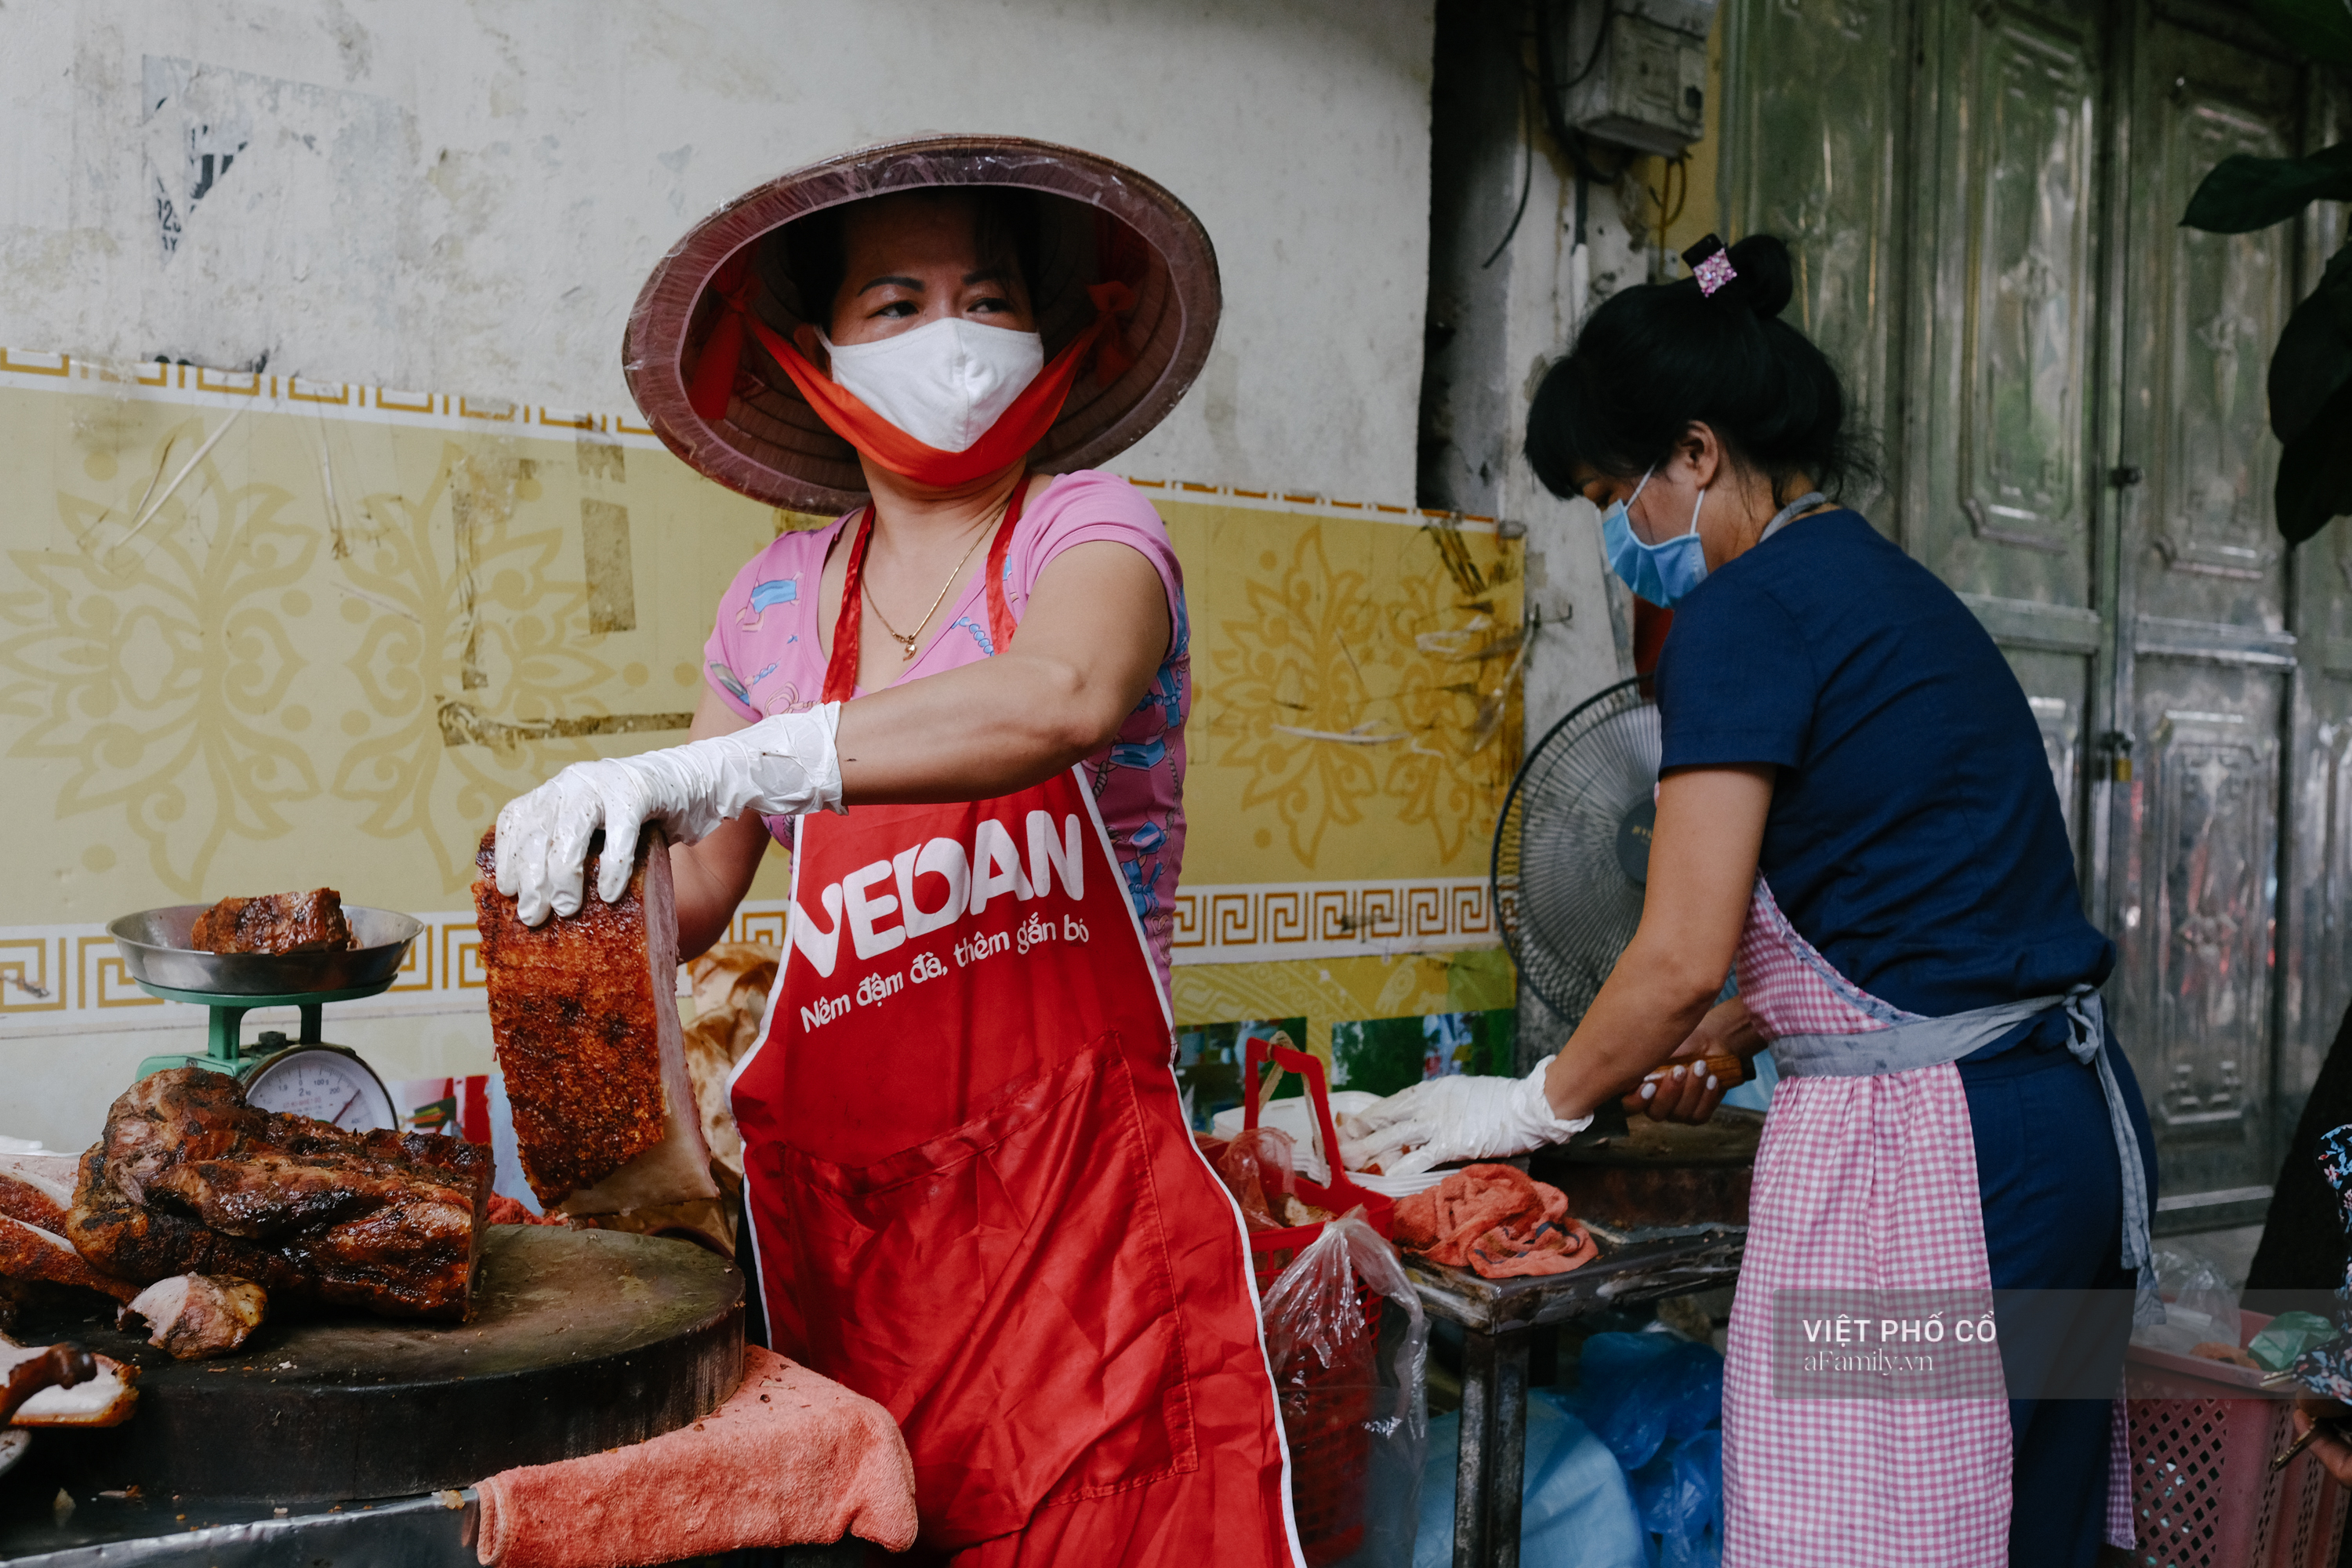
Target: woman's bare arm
712,876
1092,638
1710,828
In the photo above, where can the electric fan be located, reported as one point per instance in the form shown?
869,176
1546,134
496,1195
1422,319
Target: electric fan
1572,850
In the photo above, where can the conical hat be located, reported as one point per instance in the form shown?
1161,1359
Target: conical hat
1102,223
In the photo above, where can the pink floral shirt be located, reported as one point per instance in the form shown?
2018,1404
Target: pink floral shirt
765,657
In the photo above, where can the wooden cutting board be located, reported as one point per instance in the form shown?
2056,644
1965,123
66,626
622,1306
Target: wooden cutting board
583,1340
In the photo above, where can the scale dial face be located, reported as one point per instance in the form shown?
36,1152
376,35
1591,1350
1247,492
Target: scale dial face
325,1081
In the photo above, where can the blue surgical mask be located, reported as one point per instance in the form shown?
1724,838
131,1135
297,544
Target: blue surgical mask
1662,573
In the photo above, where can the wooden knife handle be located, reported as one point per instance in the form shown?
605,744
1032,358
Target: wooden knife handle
1728,1071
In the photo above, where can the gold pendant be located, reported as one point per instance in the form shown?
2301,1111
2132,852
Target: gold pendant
907,646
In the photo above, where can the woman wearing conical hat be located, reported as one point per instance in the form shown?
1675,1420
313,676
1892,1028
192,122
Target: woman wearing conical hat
972,1190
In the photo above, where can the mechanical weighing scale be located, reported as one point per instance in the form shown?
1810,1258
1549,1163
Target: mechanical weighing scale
306,1076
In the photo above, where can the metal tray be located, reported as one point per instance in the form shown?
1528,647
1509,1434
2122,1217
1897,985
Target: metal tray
154,947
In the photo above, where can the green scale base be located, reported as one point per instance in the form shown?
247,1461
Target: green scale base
224,1051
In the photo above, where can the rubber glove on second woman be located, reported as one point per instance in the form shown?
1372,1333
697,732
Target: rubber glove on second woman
1450,1119
781,766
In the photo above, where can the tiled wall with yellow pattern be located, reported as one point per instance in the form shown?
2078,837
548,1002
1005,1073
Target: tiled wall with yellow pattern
257,633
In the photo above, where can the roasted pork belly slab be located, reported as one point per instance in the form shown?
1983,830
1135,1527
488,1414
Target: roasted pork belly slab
276,923
189,1179
584,1012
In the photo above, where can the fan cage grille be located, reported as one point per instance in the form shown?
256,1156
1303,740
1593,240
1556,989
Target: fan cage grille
1566,905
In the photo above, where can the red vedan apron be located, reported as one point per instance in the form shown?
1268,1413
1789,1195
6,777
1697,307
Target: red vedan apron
973,1193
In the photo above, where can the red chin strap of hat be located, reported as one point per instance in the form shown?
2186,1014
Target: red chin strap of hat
1017,430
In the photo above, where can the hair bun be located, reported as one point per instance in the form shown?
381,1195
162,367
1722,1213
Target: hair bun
1766,276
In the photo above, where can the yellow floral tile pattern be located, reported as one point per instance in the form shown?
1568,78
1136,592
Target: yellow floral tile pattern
257,633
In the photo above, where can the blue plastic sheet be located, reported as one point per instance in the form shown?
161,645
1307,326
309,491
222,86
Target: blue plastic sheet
1576,1510
1624,1471
1679,1495
1638,1391
1655,1402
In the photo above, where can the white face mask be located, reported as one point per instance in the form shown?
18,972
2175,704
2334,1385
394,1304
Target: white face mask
944,383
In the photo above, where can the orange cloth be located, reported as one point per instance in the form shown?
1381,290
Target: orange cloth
789,1458
1497,1220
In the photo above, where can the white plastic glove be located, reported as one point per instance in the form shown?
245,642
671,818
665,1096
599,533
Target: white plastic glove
781,766
1450,1119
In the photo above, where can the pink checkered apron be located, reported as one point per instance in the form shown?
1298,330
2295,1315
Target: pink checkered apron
1862,1183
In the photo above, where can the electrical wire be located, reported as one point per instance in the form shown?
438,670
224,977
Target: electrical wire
1550,89
1527,173
1599,37
1669,169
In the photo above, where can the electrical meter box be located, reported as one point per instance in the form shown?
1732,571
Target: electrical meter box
1632,73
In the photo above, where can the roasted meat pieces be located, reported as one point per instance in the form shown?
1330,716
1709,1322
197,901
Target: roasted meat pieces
193,1316
189,1179
37,1264
584,1012
26,1370
64,1385
276,923
37,1189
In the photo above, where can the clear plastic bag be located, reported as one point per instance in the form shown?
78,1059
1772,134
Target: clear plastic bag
1349,1379
2201,1308
1259,1168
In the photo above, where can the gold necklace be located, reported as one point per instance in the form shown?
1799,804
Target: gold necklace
906,640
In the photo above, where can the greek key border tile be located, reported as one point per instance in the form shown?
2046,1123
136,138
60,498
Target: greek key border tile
1257,924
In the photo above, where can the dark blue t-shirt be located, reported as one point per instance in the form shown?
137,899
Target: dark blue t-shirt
1914,836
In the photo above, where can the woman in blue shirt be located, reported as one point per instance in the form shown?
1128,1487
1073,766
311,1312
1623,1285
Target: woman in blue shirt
1855,805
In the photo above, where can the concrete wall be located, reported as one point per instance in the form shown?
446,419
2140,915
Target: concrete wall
1520,250
466,197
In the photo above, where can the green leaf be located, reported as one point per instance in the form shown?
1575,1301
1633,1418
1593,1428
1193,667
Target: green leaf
2243,193
2314,358
2315,477
2320,30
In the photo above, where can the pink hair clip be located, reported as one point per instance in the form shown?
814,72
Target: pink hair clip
1710,262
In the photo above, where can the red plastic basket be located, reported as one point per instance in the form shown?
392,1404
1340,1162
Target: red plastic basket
2203,1492
1272,1251
1325,1412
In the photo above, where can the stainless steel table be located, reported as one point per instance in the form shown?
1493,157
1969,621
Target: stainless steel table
1497,1316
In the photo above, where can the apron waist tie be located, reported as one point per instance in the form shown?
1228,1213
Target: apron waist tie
1929,1042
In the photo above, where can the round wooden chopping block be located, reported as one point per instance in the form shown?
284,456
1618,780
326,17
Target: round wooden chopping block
582,1340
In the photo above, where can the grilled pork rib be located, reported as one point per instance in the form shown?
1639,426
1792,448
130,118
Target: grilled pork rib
584,1012
276,923
189,1179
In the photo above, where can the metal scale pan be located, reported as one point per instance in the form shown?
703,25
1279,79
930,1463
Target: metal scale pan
156,949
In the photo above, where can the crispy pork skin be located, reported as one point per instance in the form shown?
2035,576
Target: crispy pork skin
36,1263
189,1179
584,1012
35,1198
192,1316
276,923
